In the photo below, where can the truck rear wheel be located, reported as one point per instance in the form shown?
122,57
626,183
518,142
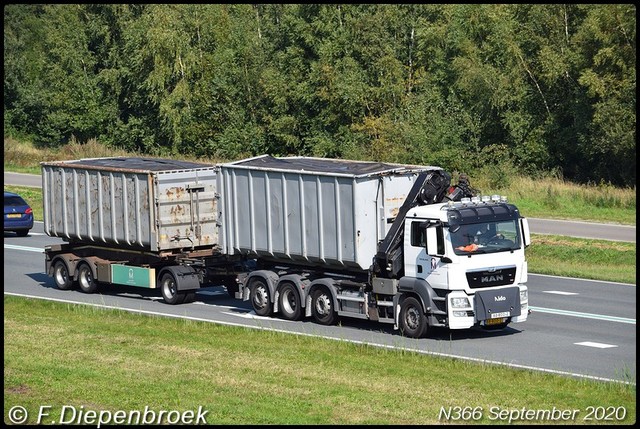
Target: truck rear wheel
61,275
86,281
289,302
169,289
322,307
260,298
413,321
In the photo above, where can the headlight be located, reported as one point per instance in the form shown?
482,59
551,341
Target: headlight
524,296
460,303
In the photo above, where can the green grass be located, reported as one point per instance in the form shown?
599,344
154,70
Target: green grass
553,198
59,354
582,258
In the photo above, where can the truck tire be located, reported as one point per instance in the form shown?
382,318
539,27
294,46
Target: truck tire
260,297
169,289
86,281
61,275
322,307
289,302
413,321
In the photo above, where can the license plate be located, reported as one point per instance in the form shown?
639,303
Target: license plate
498,315
14,215
496,321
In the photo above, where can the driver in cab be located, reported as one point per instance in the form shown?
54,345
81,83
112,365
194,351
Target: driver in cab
468,237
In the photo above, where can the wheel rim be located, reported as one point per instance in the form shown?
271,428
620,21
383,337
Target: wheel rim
169,287
261,296
323,306
412,318
289,304
86,278
62,276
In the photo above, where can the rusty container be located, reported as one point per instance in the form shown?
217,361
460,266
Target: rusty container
155,205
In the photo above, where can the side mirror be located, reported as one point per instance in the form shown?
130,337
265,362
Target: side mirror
526,235
435,240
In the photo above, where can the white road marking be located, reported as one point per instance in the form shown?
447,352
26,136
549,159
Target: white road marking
254,316
559,292
584,315
25,248
596,345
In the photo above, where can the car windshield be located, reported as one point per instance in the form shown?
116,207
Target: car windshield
14,200
486,237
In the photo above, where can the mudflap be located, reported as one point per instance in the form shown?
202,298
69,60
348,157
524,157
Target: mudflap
491,304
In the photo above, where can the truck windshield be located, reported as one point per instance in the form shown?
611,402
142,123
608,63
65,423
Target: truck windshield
486,237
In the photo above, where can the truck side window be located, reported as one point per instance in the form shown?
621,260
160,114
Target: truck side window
418,235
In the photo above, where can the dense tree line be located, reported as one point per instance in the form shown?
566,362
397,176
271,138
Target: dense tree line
548,87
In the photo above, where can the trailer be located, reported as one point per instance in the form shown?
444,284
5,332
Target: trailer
145,222
298,237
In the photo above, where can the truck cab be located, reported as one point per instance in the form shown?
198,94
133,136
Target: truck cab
466,261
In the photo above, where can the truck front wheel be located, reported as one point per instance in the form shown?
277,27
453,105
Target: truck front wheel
87,282
169,289
322,307
413,321
260,298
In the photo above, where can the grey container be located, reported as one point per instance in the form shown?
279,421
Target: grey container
149,204
311,210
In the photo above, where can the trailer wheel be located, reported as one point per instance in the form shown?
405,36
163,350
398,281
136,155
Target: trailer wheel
61,275
87,283
413,321
169,289
289,302
260,298
322,307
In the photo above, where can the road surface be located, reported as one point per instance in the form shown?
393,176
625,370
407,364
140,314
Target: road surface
577,328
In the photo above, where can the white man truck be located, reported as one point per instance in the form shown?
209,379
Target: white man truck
296,236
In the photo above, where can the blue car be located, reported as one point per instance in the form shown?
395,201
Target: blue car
18,216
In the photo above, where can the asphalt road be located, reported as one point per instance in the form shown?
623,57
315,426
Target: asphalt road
577,328
600,231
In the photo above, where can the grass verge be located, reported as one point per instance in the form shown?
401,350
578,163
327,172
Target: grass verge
92,359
